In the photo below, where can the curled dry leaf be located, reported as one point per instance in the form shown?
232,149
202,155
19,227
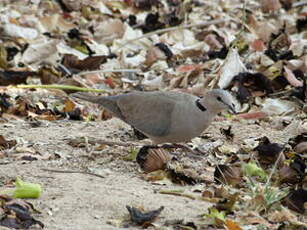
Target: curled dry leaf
291,78
72,5
296,200
141,218
181,176
227,204
158,52
109,30
268,6
269,152
13,30
294,172
154,54
5,144
90,63
17,214
301,147
10,77
39,52
56,22
263,29
230,68
3,57
282,216
228,148
280,42
49,75
230,175
251,84
152,158
278,106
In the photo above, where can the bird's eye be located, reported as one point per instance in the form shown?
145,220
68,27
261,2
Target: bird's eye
219,98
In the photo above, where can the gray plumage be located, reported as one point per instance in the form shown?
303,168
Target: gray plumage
165,117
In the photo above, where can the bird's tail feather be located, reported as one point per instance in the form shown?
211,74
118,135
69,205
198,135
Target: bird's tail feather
88,97
108,102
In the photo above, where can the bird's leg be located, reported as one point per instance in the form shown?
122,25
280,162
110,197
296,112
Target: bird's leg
184,147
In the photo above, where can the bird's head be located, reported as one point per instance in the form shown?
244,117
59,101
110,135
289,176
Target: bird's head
219,100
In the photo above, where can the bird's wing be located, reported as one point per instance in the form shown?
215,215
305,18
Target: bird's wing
151,113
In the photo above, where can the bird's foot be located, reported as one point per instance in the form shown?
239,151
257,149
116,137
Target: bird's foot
184,147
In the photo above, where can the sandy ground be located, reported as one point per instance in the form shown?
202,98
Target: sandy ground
80,201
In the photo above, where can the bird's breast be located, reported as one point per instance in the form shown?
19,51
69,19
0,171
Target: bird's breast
186,124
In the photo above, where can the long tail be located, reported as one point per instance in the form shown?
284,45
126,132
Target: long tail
89,97
108,103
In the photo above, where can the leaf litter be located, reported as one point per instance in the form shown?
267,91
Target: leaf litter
254,171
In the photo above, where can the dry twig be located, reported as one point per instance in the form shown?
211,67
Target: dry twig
72,171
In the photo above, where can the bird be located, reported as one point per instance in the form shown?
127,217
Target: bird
165,116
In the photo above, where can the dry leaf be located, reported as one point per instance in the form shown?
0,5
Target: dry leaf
231,225
291,78
230,68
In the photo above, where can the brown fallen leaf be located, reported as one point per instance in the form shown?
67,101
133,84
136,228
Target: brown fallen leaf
228,175
89,63
268,152
153,55
10,77
269,6
49,75
69,106
253,218
296,200
258,45
231,225
152,158
5,144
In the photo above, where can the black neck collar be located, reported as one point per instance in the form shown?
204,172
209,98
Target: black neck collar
200,106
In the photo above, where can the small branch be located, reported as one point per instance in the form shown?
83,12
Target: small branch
176,193
72,171
92,140
62,87
273,170
299,4
281,93
110,71
213,22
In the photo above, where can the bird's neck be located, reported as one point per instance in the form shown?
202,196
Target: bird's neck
200,105
209,105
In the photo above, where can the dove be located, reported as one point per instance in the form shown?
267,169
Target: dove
165,116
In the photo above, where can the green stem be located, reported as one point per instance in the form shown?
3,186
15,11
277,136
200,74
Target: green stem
63,87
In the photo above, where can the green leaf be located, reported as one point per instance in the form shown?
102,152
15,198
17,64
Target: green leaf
26,190
252,169
216,214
